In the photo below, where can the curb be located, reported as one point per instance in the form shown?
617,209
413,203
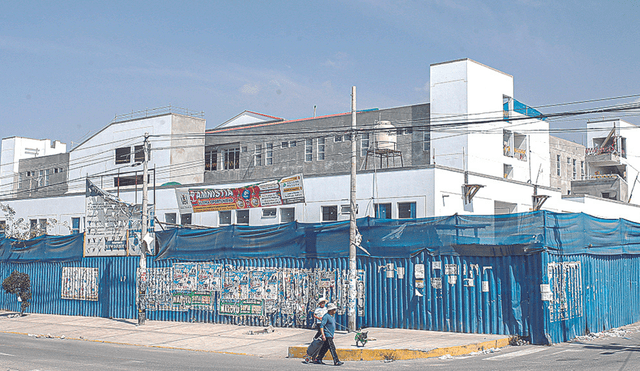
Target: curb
403,354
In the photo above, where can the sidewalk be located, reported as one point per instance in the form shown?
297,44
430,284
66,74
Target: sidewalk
275,342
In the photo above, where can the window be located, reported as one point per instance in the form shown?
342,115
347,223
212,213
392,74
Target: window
123,155
404,131
138,156
321,149
308,150
345,209
75,225
33,226
170,218
3,225
269,213
292,143
575,172
124,181
338,138
329,213
581,169
383,211
287,214
425,141
185,219
269,158
46,176
40,178
285,145
224,217
231,158
364,144
42,226
257,157
508,171
242,217
211,160
406,210
558,165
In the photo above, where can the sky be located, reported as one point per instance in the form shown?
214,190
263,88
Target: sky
67,68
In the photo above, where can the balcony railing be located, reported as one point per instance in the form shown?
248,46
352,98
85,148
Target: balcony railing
603,150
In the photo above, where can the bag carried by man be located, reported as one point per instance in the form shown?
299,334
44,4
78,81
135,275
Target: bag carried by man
313,349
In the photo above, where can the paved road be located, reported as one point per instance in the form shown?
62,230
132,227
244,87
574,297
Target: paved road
20,352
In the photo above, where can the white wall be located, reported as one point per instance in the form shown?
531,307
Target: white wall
466,90
426,187
175,156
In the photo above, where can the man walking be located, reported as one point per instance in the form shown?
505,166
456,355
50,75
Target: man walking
328,330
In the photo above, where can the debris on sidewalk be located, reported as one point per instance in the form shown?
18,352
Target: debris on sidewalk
613,333
446,356
485,351
518,341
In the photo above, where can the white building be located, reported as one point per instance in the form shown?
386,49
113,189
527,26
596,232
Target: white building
483,152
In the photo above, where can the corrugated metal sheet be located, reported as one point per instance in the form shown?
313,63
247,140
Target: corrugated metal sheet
590,293
500,295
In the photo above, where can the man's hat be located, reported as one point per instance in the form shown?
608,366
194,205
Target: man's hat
322,300
331,306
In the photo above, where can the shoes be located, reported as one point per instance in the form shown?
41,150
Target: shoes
318,362
339,363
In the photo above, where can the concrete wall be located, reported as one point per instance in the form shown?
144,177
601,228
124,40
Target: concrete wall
568,151
16,148
289,160
34,180
187,149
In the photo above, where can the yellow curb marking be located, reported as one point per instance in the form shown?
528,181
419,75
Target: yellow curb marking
403,354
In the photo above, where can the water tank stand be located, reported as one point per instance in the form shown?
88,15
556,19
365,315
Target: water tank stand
384,154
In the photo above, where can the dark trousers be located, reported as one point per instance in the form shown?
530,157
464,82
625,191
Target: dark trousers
328,345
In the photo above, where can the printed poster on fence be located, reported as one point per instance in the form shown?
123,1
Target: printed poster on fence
285,191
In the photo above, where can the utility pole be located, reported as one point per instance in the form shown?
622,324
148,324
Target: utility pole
351,309
142,282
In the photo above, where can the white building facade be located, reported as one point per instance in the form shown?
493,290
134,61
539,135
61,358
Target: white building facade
479,138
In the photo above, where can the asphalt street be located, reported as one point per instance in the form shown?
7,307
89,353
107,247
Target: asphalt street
21,352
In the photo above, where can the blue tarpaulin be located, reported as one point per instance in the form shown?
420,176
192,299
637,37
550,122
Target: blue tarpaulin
43,248
458,235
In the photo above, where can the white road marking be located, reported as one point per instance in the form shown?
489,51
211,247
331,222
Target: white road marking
566,350
5,354
515,354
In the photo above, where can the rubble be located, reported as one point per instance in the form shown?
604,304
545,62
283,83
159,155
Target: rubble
613,333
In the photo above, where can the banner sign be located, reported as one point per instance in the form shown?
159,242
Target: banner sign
285,191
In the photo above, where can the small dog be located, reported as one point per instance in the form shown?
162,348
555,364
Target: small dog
361,337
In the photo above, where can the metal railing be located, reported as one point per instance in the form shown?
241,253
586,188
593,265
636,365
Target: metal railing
602,150
150,112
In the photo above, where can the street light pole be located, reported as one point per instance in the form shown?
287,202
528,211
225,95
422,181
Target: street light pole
142,281
351,308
